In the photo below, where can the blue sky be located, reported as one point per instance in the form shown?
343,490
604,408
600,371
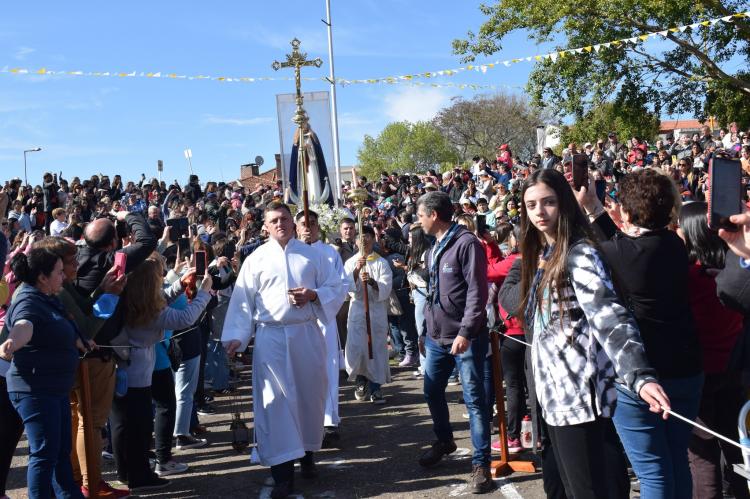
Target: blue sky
123,125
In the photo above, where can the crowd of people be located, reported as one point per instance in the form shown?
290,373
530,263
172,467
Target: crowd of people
616,303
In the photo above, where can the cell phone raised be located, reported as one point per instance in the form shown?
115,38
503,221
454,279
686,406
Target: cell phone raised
200,263
725,192
580,171
183,244
121,261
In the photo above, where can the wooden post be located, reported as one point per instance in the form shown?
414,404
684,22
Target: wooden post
504,466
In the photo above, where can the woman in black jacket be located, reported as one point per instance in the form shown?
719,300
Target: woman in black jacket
650,266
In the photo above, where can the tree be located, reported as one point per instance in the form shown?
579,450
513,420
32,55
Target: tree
405,147
478,126
673,78
598,122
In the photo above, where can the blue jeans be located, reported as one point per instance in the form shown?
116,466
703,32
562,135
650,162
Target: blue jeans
185,383
397,339
48,428
657,449
419,297
217,367
439,366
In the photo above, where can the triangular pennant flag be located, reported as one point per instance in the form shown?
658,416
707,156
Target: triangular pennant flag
706,23
695,25
516,60
483,69
606,45
682,29
726,19
41,71
491,65
157,75
506,63
588,49
553,56
528,59
674,30
562,54
579,51
131,74
644,37
469,67
597,48
663,33
538,57
715,21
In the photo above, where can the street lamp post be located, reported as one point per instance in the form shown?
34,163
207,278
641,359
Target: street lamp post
25,176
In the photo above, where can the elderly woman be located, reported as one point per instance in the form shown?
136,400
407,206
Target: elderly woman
650,266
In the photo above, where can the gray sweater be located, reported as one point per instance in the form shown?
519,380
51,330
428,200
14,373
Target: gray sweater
142,339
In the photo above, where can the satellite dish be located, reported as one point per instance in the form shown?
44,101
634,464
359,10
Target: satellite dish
259,160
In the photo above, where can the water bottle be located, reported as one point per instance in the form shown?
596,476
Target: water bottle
121,382
526,429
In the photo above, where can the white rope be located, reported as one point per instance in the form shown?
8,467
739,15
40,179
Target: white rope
711,432
160,341
669,411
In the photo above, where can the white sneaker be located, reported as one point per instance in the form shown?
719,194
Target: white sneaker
190,442
171,467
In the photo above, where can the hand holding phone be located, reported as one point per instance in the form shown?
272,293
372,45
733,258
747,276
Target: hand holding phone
580,171
725,193
200,263
121,260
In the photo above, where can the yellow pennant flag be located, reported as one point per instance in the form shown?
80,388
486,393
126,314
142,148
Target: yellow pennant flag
588,49
644,37
41,71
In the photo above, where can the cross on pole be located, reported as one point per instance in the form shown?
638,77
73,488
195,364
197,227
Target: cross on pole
297,60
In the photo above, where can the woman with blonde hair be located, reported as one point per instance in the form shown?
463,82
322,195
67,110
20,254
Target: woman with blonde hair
146,316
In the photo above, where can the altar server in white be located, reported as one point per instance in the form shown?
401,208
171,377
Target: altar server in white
372,269
283,289
311,235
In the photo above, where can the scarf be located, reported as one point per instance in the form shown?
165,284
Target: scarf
531,306
437,252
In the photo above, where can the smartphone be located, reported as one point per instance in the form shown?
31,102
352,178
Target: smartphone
178,227
183,244
725,192
121,260
481,222
580,171
200,264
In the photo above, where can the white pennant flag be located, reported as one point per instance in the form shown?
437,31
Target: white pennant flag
663,33
528,59
506,63
726,19
597,48
695,25
579,51
553,56
682,29
483,69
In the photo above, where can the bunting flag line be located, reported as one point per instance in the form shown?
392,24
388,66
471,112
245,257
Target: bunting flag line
407,78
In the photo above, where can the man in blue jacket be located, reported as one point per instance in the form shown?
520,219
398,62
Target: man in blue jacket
456,333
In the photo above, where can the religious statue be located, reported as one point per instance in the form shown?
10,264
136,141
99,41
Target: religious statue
314,164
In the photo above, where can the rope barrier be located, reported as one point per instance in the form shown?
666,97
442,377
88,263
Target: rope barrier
670,412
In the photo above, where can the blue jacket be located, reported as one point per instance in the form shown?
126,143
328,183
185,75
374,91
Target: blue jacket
47,364
461,310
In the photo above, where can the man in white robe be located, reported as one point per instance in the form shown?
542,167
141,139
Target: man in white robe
283,289
369,374
311,235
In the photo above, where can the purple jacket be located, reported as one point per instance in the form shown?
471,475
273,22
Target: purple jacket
463,290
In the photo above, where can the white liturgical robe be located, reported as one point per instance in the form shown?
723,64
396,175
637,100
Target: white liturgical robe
331,333
289,356
357,355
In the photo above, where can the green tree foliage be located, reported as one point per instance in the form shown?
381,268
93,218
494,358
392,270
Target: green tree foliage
405,147
478,126
598,122
669,76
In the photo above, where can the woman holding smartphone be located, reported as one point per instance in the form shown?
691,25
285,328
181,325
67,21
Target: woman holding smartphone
583,339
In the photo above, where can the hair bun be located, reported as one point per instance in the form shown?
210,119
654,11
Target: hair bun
19,264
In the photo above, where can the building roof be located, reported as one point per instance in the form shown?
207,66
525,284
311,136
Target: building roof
668,126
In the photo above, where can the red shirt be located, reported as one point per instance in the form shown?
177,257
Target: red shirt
717,326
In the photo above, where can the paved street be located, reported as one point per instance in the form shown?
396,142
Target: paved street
378,456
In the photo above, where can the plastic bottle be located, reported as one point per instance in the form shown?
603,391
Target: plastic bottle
526,429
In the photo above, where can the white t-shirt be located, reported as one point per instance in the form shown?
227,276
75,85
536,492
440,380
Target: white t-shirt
56,227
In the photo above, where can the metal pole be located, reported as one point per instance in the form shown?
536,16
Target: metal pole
334,112
25,176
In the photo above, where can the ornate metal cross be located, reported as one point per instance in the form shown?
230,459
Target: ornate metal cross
297,60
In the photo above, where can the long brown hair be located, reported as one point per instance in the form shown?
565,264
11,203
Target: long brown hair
143,299
572,226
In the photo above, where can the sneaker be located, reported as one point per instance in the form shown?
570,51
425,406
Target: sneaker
514,445
152,463
360,393
434,454
282,490
377,398
480,481
409,361
206,410
465,415
171,467
331,437
107,455
154,483
190,442
106,491
454,381
418,374
199,430
208,398
226,391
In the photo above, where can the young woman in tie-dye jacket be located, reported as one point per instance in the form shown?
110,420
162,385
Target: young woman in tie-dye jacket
584,340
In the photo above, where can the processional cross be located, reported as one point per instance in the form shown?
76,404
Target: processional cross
298,60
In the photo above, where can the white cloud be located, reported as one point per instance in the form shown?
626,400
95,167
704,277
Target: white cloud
220,120
415,103
22,52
